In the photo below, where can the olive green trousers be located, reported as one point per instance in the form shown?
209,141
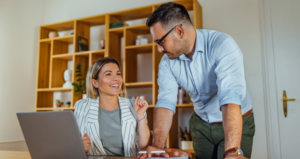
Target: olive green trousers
208,138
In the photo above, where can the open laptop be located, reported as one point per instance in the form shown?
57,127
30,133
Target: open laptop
52,135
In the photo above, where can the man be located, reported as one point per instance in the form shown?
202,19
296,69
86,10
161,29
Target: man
209,66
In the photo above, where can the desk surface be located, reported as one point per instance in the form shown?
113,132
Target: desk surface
26,155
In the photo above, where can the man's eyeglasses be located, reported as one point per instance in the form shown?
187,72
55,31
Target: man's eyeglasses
159,41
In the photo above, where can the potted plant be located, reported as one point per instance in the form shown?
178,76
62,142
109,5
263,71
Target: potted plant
79,87
186,142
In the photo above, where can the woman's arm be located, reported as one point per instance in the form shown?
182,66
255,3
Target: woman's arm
140,107
144,134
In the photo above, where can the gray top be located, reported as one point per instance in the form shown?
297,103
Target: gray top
111,132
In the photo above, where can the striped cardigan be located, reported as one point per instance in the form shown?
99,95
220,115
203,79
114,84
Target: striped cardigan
86,114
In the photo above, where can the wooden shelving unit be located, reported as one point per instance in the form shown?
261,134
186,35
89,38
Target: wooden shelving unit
54,56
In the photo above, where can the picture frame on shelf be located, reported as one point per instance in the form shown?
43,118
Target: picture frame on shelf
83,44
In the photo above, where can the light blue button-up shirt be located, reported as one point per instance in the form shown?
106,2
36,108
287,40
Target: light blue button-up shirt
214,77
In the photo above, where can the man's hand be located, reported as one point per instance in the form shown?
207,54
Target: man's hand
149,154
86,142
235,156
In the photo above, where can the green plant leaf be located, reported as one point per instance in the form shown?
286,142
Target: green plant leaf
79,79
82,83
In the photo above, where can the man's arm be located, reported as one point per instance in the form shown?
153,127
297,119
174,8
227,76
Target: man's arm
233,125
229,69
161,127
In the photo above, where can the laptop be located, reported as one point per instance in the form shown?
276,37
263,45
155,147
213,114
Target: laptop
52,135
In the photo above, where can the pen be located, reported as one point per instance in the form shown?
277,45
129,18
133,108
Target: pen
157,151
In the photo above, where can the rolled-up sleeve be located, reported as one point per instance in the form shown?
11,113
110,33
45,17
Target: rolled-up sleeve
168,87
230,71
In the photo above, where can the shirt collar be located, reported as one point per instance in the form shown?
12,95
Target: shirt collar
199,45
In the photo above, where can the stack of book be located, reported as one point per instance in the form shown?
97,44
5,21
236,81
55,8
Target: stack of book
117,25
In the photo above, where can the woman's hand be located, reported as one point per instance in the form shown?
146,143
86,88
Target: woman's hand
86,142
140,107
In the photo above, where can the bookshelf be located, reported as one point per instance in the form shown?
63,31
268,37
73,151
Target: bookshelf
60,53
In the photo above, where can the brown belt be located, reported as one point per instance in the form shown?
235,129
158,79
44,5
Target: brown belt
247,113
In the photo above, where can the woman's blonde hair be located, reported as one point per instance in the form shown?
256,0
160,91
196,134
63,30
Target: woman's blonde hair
93,73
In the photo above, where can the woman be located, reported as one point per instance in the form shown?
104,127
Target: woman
111,124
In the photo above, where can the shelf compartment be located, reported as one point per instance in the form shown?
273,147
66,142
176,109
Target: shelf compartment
137,61
114,50
59,65
44,100
44,65
68,57
84,60
132,33
139,84
60,26
96,55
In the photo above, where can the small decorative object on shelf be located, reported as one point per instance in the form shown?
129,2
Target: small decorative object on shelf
58,103
117,25
144,41
68,104
79,88
180,95
67,77
83,44
102,44
186,142
53,34
138,41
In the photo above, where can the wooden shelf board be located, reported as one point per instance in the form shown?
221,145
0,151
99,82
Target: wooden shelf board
131,14
119,30
68,57
60,26
102,51
62,108
93,20
67,39
54,89
139,29
139,84
147,48
185,105
48,41
84,53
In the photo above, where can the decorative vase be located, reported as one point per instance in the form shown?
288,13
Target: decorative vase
83,96
186,145
53,34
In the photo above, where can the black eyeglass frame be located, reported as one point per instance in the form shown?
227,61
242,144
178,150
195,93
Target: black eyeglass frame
161,39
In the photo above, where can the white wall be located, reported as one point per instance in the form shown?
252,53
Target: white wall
19,28
240,19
